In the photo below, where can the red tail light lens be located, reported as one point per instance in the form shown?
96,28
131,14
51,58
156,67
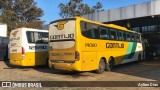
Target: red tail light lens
77,55
23,53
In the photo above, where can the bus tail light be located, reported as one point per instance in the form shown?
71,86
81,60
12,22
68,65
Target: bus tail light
77,55
23,53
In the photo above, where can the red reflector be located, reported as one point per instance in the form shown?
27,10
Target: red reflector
23,51
77,55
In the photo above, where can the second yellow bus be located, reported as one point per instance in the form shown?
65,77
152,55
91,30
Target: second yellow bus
83,45
28,47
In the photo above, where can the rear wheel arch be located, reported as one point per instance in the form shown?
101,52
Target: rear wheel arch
105,60
111,57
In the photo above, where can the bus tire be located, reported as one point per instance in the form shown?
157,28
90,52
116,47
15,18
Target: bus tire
101,66
110,64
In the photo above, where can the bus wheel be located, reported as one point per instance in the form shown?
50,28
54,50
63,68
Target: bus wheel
101,67
110,64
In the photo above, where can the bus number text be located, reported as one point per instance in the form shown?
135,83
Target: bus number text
37,47
90,45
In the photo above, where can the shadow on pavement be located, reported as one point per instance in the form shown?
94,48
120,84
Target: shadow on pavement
140,70
134,69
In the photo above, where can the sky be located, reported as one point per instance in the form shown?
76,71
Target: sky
51,10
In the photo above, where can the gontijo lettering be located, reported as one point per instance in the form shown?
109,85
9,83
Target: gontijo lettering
17,38
62,36
114,45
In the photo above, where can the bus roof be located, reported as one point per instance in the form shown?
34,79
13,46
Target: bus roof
30,29
95,22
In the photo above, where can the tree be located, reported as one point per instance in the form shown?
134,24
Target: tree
76,7
20,13
10,18
97,8
84,9
6,4
27,10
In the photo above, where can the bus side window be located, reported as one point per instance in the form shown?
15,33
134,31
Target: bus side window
137,38
38,37
113,35
128,36
132,37
44,37
95,31
30,37
86,29
104,33
123,37
120,35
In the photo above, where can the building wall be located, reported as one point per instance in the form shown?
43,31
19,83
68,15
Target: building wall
134,11
3,30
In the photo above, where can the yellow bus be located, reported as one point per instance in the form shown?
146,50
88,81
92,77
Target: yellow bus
78,44
28,47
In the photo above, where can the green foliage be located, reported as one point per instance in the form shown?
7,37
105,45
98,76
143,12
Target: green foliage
10,18
77,8
20,13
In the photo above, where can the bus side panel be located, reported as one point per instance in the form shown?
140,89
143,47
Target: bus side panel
119,53
89,61
35,53
132,53
35,58
31,58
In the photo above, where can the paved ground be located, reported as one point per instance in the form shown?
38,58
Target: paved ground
127,72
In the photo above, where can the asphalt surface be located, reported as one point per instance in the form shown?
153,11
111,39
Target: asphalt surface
135,71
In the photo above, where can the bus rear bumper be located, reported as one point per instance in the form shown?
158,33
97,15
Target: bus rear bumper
20,63
74,66
16,62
